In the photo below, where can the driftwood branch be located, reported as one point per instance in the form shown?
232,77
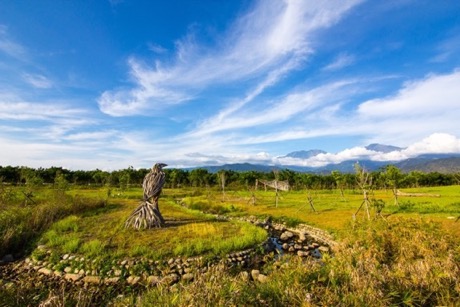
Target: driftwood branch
399,193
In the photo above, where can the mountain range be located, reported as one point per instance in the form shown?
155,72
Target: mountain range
443,163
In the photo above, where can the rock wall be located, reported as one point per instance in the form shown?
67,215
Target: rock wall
303,241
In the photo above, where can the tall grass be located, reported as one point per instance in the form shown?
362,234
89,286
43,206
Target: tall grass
216,238
403,262
21,226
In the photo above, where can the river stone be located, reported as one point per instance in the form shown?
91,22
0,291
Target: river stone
72,277
323,249
68,269
117,273
297,246
187,277
262,278
112,280
302,253
285,246
45,271
92,279
255,274
315,253
286,236
133,280
302,236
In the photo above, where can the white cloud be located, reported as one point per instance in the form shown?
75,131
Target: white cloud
157,48
38,81
91,136
343,60
8,46
447,49
434,95
295,104
271,35
36,111
433,144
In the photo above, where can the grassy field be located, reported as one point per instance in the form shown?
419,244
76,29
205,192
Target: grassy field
101,233
408,255
333,212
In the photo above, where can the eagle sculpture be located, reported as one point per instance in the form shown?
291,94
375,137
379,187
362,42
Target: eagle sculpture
147,214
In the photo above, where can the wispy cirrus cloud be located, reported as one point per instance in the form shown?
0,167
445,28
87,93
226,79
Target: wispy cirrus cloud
341,61
24,110
447,49
38,81
9,46
272,34
295,104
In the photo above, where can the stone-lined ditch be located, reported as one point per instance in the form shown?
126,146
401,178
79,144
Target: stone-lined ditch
303,241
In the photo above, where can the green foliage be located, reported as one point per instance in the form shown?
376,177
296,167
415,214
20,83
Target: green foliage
71,244
20,226
68,224
405,262
92,248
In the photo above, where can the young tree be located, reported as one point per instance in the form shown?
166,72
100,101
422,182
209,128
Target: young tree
32,182
339,181
364,182
276,174
222,176
393,176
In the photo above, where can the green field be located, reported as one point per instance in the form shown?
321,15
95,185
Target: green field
409,254
333,212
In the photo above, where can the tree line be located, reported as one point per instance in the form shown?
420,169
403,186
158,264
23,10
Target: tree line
388,177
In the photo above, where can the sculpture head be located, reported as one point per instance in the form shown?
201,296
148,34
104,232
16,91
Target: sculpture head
159,166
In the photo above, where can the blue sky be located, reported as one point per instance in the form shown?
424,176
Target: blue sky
112,84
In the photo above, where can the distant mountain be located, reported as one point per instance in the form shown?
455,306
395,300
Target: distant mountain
383,148
305,154
442,165
445,165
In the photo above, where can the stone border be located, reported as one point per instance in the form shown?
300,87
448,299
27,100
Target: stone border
303,241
